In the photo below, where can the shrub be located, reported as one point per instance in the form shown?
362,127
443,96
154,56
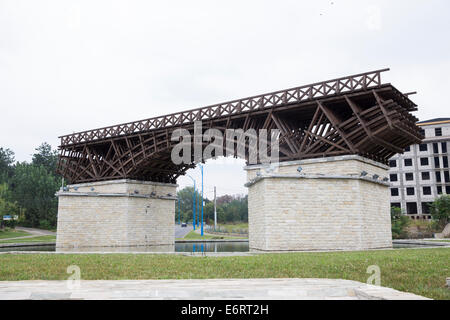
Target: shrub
45,224
399,223
419,229
440,211
11,224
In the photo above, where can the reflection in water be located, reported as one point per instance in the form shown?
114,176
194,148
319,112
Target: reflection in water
228,246
165,248
35,248
412,245
178,247
212,247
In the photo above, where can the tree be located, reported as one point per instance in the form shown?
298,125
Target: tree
46,157
208,212
229,208
186,198
6,164
34,188
440,211
224,199
7,207
235,209
399,222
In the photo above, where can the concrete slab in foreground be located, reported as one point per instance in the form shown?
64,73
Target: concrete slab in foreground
212,289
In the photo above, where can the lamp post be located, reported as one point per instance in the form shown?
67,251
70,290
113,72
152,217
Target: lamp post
193,201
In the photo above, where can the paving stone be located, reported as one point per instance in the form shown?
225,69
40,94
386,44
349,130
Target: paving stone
236,289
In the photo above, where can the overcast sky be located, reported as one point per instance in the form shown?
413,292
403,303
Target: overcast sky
68,66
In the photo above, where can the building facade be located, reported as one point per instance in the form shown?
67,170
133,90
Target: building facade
421,173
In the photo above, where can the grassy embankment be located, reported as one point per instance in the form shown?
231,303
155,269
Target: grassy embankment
34,239
234,227
11,233
420,271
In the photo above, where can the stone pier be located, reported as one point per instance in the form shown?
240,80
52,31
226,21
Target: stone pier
116,213
334,203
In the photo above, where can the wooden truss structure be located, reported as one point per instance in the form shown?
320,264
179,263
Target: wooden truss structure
357,114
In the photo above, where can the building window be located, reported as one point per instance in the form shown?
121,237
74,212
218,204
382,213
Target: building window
444,147
410,191
447,189
426,207
424,161
393,177
439,189
435,148
408,149
423,147
409,176
422,132
445,162
436,162
392,163
396,205
408,162
446,176
427,191
438,176
394,192
411,208
438,132
425,176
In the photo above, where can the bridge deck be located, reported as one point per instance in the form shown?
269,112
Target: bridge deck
310,92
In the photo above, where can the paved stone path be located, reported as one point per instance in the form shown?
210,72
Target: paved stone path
216,289
37,232
180,231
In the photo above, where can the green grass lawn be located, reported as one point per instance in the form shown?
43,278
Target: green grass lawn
12,234
34,239
420,271
195,236
234,226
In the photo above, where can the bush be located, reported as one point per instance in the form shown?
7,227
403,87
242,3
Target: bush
399,223
440,211
45,224
419,229
10,224
26,224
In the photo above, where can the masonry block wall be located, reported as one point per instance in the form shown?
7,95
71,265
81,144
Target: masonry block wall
116,213
328,206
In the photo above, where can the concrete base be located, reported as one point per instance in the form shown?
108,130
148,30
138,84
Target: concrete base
115,214
444,234
330,205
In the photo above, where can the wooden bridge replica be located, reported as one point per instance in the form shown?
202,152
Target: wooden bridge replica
341,133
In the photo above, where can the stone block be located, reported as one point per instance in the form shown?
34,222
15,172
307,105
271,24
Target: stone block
115,214
328,206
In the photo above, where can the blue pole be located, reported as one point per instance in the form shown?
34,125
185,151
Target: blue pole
195,210
201,167
194,205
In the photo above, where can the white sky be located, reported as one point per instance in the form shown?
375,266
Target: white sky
68,66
